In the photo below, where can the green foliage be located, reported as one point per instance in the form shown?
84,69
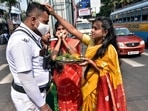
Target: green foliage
106,8
68,57
105,11
9,2
110,5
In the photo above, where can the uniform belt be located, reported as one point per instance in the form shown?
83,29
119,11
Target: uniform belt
21,89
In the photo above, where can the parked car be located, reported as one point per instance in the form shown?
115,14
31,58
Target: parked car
128,42
84,26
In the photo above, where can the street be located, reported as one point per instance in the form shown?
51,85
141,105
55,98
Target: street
135,78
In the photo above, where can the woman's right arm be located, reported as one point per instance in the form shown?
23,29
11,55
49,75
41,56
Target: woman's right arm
55,50
71,29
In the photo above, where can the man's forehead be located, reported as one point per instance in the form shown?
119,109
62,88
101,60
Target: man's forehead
44,16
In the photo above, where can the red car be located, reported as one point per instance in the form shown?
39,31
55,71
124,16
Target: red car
129,44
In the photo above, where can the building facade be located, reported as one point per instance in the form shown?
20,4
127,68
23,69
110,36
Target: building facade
65,8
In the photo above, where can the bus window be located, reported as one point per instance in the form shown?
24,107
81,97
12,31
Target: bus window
132,19
145,18
128,19
124,19
145,13
138,18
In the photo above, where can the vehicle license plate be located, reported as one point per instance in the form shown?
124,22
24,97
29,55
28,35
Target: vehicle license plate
133,52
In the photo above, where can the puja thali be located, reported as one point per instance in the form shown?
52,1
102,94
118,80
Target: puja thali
68,59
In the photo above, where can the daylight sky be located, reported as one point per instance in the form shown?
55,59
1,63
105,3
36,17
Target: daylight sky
23,5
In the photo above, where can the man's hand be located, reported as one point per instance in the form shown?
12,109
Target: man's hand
45,107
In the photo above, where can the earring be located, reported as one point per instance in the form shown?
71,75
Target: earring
103,38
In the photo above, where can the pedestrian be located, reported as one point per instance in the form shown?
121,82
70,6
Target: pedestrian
102,86
28,90
67,77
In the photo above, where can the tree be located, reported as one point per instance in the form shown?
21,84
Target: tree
109,6
112,5
9,3
106,8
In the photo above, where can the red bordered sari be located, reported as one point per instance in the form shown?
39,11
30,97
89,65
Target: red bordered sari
103,91
68,83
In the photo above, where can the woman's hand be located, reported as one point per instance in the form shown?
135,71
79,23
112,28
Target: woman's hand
58,35
86,61
89,61
50,9
63,35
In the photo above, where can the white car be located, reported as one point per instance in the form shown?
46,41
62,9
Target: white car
84,27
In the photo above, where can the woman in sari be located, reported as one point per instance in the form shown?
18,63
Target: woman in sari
68,76
102,85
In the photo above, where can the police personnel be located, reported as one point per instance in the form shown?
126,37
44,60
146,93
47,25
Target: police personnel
26,65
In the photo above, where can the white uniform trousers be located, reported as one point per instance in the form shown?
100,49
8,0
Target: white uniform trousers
22,102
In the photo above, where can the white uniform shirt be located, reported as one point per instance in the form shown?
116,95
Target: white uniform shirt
22,54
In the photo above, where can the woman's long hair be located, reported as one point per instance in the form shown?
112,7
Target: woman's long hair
110,37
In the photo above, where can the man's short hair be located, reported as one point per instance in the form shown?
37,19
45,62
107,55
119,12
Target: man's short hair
36,9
